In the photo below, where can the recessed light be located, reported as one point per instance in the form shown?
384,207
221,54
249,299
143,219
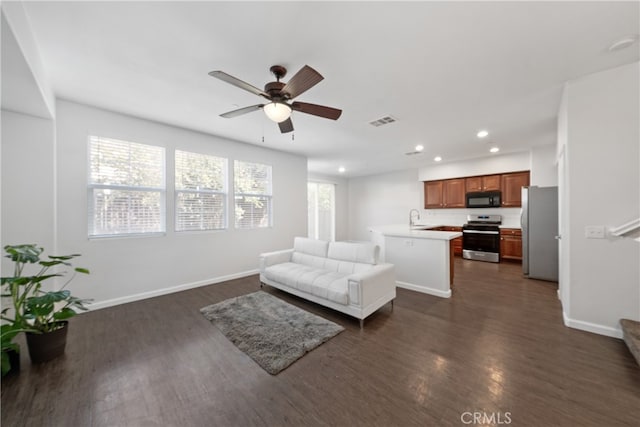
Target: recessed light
419,147
341,169
482,134
437,158
623,42
494,149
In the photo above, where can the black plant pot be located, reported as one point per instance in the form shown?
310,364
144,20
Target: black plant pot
49,345
14,360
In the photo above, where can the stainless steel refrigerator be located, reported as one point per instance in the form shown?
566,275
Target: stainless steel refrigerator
539,220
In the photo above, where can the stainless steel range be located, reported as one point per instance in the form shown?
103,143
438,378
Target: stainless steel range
481,238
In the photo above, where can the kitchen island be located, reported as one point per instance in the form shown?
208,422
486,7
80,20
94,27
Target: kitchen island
423,258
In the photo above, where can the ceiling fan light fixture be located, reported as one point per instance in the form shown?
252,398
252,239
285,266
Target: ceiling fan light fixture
277,111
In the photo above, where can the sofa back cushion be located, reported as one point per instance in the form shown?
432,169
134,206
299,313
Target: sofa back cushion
351,257
309,252
341,257
360,252
310,246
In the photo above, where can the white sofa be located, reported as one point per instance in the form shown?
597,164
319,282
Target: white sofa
344,276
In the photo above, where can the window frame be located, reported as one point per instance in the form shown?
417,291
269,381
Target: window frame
334,187
268,196
91,187
224,194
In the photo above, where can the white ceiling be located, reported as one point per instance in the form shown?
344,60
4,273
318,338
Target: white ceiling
443,69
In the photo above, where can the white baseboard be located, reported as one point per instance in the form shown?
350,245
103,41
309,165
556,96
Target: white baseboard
424,289
164,291
591,327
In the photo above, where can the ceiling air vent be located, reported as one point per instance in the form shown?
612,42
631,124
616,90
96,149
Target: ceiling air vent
412,153
383,121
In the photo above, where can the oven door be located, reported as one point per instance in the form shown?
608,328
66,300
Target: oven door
483,245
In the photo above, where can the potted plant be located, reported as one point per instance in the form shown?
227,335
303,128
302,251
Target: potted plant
10,350
41,314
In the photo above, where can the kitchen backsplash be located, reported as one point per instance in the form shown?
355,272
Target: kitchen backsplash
510,216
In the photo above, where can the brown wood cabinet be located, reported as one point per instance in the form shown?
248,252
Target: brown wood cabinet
433,195
446,193
511,244
483,183
512,184
453,194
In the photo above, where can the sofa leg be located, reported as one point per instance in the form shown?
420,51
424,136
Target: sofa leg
361,323
391,305
261,285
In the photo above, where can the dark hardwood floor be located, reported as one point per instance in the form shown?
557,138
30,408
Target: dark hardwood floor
497,347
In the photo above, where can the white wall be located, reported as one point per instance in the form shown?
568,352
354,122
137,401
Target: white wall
28,88
124,269
27,182
342,202
544,170
382,199
603,157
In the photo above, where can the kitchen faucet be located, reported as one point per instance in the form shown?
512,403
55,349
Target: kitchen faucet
411,216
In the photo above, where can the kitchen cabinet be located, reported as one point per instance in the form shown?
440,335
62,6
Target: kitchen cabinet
511,244
453,194
512,184
446,193
433,195
483,183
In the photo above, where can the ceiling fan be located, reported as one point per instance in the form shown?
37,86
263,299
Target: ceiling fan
279,94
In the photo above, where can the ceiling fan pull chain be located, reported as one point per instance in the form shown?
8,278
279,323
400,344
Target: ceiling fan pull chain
293,137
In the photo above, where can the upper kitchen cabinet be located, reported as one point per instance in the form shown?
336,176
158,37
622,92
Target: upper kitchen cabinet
453,194
512,184
433,195
483,183
447,193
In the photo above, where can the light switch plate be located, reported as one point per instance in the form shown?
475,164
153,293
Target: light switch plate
594,232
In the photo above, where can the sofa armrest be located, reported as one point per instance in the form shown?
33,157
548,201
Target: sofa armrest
367,287
271,258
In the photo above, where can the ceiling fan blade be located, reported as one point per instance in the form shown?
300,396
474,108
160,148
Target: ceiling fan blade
286,126
238,83
241,111
302,81
317,110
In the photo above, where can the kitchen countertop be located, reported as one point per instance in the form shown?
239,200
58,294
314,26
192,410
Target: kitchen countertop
416,232
433,225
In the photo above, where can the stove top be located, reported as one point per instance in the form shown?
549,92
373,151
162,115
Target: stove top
483,222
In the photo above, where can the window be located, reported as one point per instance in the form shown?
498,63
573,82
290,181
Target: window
321,210
201,192
252,194
126,191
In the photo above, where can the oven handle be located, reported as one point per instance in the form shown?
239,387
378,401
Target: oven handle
480,232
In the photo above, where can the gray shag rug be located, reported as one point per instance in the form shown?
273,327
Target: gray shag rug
270,331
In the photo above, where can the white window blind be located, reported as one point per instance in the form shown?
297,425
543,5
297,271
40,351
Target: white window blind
253,192
321,210
126,190
201,192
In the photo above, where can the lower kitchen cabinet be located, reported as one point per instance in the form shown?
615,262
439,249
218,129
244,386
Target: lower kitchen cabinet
511,244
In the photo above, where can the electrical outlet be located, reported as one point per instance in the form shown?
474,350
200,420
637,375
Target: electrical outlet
594,232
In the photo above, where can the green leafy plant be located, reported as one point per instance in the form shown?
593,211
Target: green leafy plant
35,310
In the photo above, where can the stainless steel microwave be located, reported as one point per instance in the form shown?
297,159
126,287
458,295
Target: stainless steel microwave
484,199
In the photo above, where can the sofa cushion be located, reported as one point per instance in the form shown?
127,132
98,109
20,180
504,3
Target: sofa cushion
330,285
311,246
360,252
